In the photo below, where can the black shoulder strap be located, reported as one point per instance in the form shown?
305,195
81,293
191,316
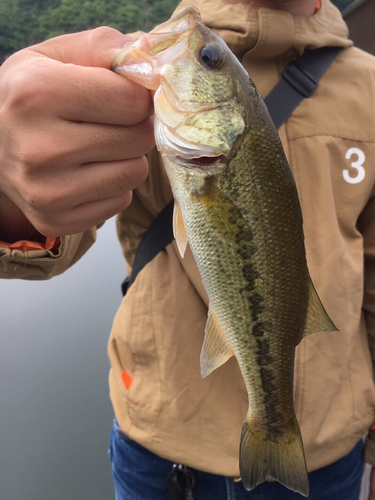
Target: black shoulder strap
299,80
157,237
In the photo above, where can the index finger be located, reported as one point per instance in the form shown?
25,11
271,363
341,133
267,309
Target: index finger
97,47
49,79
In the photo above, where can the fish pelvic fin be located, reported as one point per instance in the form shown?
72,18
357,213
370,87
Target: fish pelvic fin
317,319
215,350
179,230
266,457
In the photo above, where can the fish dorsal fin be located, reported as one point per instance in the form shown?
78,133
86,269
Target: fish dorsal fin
215,350
317,319
179,230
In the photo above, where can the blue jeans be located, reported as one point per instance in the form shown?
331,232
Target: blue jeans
139,474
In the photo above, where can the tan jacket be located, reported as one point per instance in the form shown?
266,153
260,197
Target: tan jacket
158,331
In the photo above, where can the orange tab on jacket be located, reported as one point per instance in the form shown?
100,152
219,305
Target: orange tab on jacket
126,378
51,244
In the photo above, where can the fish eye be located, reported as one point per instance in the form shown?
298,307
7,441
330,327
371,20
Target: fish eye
212,56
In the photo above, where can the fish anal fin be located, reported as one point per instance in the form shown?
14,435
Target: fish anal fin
215,350
317,319
179,230
264,457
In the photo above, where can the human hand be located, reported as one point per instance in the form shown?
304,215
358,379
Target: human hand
73,134
372,485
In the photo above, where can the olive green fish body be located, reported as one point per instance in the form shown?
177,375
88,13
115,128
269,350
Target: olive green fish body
237,207
245,230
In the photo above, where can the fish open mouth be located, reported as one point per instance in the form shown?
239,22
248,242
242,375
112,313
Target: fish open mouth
209,159
203,161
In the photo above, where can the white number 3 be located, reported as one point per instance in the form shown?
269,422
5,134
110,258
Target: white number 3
357,165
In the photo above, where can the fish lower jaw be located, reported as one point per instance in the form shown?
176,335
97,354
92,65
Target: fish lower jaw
205,158
207,164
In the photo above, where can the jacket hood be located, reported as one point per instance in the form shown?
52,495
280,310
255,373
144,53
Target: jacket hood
247,29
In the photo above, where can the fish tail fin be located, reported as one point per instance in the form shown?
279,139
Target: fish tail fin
264,457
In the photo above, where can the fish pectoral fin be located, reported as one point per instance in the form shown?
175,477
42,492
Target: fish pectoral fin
317,319
179,230
215,350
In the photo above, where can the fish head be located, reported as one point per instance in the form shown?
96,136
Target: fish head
200,96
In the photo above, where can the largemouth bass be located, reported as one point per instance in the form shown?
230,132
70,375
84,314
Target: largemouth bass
236,205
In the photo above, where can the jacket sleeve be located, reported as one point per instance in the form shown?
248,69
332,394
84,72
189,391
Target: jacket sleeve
44,264
367,227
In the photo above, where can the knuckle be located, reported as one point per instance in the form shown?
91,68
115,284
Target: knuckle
125,176
139,99
139,139
33,155
114,206
47,199
102,33
134,100
103,39
27,93
121,204
136,173
38,199
38,149
141,170
131,142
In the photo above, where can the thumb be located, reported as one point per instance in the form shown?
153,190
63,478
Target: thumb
96,48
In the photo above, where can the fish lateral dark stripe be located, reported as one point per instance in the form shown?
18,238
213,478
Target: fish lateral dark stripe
258,329
263,354
256,307
273,417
